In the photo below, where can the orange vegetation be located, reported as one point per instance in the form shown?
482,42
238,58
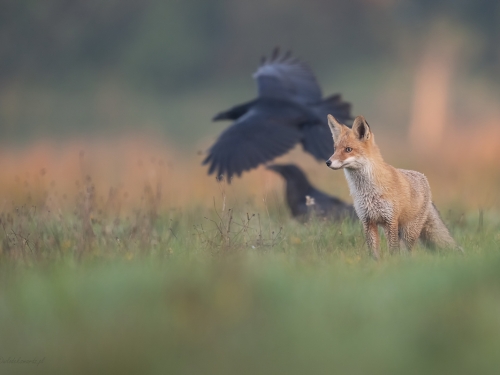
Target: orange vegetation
134,171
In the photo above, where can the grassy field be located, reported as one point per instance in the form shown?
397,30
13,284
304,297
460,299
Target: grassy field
126,258
206,291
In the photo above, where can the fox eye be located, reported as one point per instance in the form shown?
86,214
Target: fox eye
348,149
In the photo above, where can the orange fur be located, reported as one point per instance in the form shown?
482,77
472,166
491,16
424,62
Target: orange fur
398,200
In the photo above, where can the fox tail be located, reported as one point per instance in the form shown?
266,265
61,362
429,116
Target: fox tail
436,234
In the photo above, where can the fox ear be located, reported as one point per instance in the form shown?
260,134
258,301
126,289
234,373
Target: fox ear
335,127
361,129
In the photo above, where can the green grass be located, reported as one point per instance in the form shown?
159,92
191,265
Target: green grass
176,293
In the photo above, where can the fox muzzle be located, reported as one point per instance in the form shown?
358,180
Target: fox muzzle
335,164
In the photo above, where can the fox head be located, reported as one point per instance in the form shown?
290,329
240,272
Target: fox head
353,147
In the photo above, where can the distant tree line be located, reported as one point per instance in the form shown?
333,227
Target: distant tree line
166,44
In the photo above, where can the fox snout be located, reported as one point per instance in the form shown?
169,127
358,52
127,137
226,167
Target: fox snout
335,164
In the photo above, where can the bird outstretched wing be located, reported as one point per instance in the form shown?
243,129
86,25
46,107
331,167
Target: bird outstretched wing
317,138
284,77
250,141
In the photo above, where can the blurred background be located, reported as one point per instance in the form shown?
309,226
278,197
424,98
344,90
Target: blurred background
121,93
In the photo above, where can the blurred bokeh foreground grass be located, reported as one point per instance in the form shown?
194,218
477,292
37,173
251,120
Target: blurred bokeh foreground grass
212,291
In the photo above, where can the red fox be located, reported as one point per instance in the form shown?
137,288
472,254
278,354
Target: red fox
399,200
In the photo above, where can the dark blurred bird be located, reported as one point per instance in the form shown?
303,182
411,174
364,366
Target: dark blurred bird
289,109
304,199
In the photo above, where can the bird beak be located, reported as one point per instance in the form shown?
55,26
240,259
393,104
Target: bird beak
219,116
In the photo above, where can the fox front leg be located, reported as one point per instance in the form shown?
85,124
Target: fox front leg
372,238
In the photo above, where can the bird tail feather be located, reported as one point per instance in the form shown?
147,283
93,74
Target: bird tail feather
334,105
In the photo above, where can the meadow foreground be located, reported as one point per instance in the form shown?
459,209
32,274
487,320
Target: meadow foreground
174,292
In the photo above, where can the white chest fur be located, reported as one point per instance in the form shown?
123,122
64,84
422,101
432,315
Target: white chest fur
367,195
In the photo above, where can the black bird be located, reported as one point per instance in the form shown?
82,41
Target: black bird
289,109
304,199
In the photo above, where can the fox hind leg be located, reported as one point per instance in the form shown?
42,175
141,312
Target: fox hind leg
410,235
392,235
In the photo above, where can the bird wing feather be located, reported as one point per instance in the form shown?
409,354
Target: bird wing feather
317,140
284,77
249,142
